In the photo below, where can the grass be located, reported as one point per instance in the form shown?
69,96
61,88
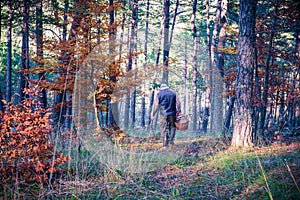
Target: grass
203,168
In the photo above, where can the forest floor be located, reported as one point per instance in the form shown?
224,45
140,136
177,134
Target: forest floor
202,168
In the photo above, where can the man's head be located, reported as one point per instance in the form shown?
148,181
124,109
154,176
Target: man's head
163,86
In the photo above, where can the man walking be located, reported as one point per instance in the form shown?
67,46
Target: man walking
167,102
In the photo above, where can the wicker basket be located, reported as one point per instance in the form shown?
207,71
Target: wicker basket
182,123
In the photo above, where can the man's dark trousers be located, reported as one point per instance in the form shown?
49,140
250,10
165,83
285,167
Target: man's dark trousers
167,129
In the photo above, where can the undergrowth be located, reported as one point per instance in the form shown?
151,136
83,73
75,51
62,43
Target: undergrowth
207,168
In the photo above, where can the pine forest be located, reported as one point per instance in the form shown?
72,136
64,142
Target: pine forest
149,99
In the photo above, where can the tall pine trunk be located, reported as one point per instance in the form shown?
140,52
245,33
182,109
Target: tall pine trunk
129,117
209,72
158,52
173,23
0,19
1,103
218,64
263,108
59,98
9,54
257,91
143,107
293,117
112,108
165,76
228,116
39,47
297,76
134,30
242,132
195,68
185,75
25,51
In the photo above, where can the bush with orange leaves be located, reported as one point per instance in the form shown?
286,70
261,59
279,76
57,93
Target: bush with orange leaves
26,153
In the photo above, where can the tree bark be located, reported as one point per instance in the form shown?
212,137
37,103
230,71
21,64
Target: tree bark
25,51
112,108
228,116
257,91
9,54
173,23
209,72
1,103
195,67
0,19
297,75
143,107
185,75
218,64
158,52
165,76
121,51
264,104
242,132
59,99
129,117
133,97
293,116
39,48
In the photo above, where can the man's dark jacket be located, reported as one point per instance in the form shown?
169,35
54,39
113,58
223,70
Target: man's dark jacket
167,102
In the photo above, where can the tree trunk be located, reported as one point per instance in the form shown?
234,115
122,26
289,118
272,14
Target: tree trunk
129,68
218,64
68,118
257,91
143,107
293,105
1,103
80,15
134,42
0,19
158,51
195,68
242,132
185,74
263,108
173,23
297,75
228,116
112,108
133,108
165,76
126,110
39,48
9,54
129,117
25,49
60,111
209,73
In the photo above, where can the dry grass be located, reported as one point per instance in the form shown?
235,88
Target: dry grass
203,168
